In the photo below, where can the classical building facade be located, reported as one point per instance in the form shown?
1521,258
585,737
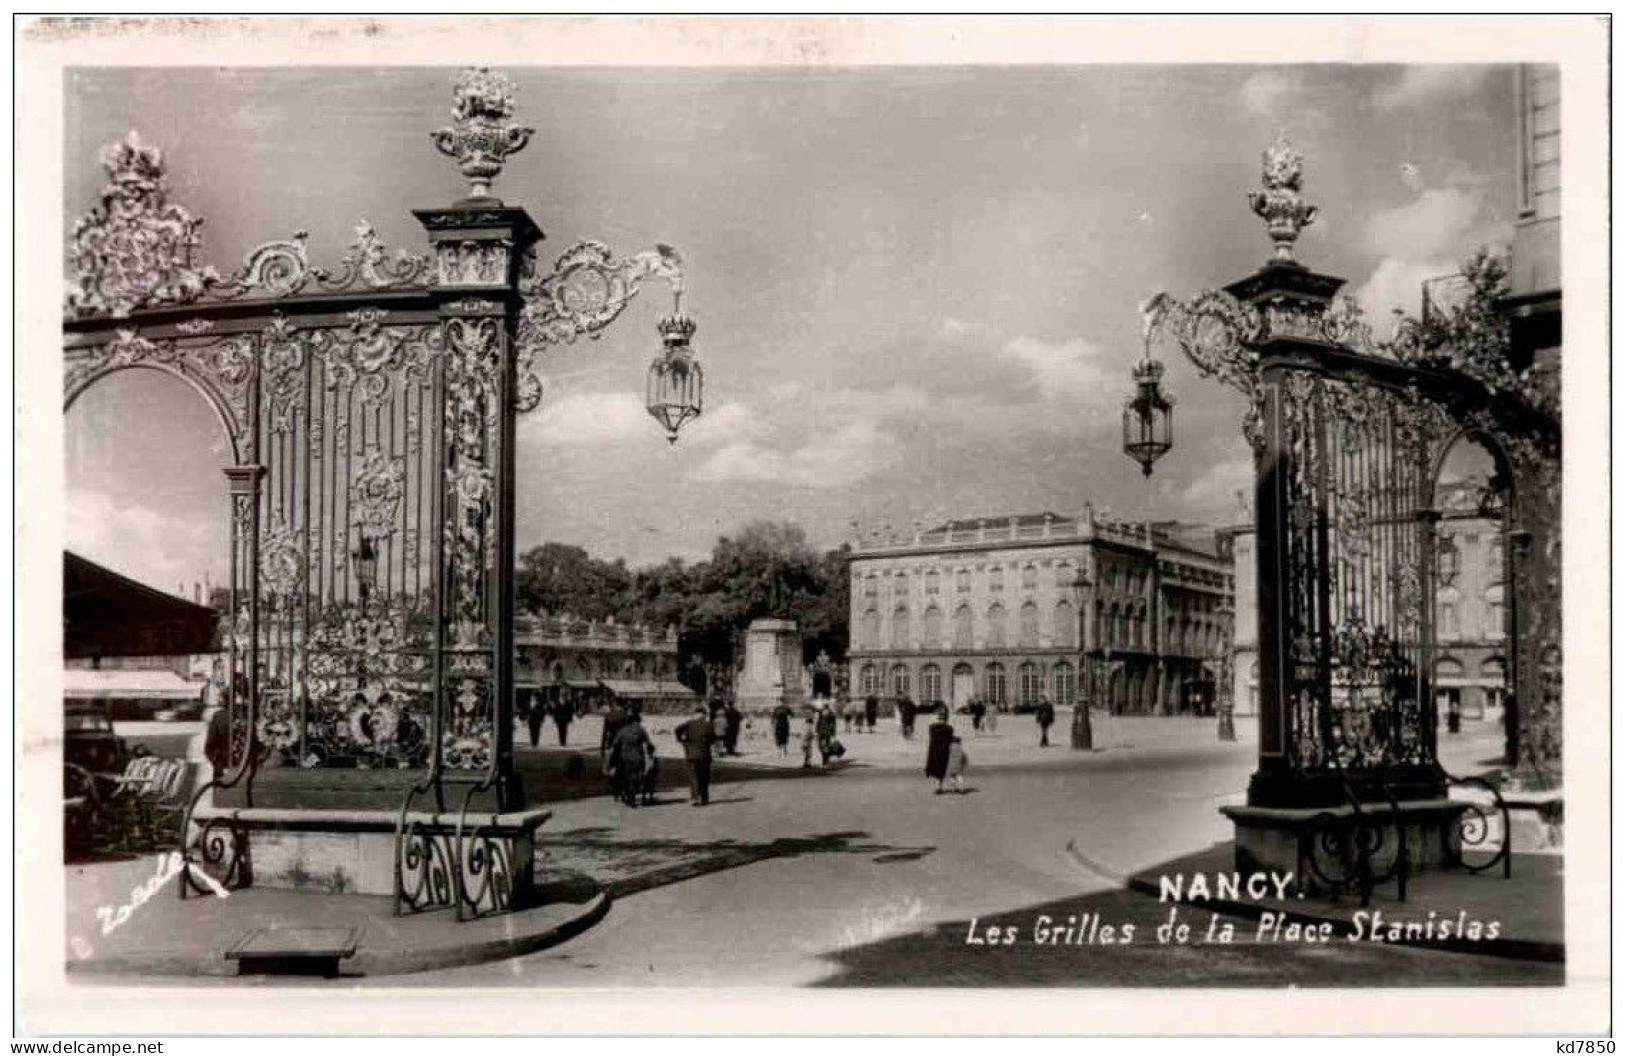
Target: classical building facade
592,660
1013,609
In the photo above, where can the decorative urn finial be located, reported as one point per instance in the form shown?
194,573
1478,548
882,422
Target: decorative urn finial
1281,203
482,134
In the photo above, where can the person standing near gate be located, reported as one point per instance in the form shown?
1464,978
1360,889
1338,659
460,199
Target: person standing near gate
781,728
732,720
941,737
533,719
696,736
1046,719
564,711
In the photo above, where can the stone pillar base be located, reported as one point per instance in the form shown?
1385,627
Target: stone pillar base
1278,840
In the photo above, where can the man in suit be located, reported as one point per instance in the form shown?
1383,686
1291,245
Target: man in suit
696,736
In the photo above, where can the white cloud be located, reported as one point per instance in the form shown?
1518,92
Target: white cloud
1213,495
587,418
1432,224
1425,238
148,545
951,329
1417,84
1069,371
1397,285
850,453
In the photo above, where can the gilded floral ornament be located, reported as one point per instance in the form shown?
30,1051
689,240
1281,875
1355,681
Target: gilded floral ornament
376,493
282,268
134,250
282,562
1281,203
482,135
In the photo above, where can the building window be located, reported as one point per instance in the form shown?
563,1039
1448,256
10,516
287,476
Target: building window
931,631
933,582
1066,626
1449,622
869,680
1064,575
1029,625
1066,683
899,681
962,581
930,682
1029,577
995,626
962,627
899,586
870,636
995,685
899,628
1029,682
995,579
871,585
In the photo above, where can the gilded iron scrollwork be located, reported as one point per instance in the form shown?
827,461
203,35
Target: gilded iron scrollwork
1216,333
134,250
586,290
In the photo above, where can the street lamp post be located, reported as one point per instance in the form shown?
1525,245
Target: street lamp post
1083,734
1225,690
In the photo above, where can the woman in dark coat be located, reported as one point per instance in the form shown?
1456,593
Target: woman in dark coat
941,735
781,728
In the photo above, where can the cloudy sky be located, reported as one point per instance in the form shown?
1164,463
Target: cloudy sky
916,289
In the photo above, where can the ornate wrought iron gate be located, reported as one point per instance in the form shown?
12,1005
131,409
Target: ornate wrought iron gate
371,411
1348,434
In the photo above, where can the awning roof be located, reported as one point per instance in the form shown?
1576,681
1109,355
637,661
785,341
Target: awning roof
80,684
106,614
637,688
531,682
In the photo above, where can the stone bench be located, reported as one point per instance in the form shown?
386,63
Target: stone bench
354,851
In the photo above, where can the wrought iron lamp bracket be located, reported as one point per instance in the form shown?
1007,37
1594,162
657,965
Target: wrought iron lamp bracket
586,290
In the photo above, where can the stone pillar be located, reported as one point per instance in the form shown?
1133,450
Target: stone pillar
478,245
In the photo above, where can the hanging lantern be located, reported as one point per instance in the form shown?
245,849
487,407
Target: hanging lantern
1148,416
676,382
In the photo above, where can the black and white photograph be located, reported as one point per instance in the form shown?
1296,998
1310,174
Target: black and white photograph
814,507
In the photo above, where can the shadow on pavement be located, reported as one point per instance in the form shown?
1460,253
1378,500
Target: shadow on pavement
550,777
626,866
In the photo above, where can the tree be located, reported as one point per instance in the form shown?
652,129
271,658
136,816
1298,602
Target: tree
559,578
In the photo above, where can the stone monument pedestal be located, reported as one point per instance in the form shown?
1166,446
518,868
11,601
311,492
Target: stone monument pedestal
771,673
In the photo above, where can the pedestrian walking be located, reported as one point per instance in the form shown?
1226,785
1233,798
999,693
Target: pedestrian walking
614,719
533,719
732,720
826,734
719,728
990,721
847,715
696,736
871,711
809,739
781,728
905,715
957,761
1046,719
630,758
978,708
940,737
564,712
